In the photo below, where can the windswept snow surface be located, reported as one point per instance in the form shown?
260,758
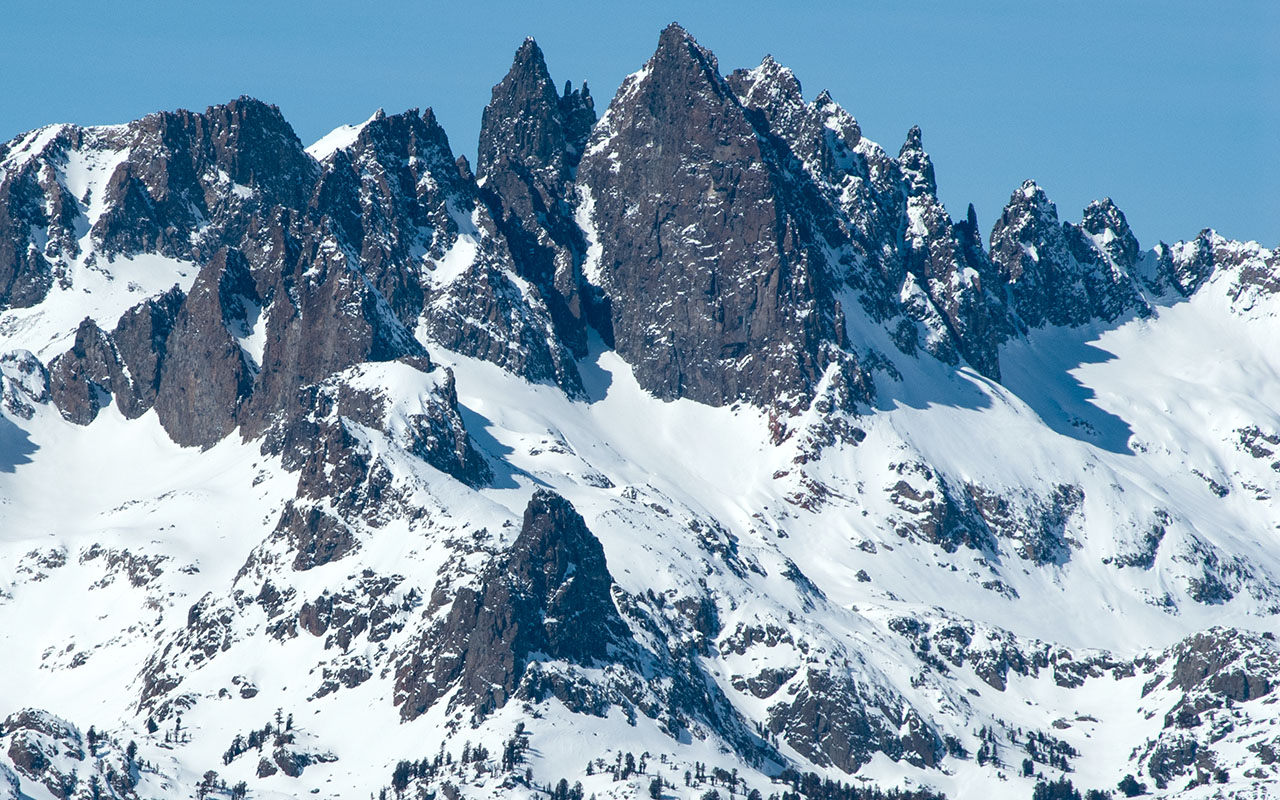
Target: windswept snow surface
340,138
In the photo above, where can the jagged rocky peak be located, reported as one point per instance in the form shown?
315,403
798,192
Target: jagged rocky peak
917,167
186,170
709,263
419,136
548,597
33,202
392,194
948,263
677,43
124,363
1057,273
531,140
1106,224
528,123
821,133
178,183
770,87
81,379
258,148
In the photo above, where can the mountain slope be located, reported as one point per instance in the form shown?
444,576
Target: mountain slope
692,448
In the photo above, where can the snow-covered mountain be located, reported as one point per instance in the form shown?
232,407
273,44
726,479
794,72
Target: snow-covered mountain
695,448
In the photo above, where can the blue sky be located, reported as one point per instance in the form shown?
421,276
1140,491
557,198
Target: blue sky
1171,108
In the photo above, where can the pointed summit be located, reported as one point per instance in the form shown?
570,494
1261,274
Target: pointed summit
675,35
522,119
531,139
1107,225
1032,193
529,60
677,49
773,89
708,282
1057,273
917,168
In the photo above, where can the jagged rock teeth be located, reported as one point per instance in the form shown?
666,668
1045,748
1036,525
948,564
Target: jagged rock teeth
531,140
711,264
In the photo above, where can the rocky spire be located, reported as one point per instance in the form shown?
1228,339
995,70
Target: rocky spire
716,288
770,87
1106,224
946,266
1057,273
917,168
531,139
522,122
548,598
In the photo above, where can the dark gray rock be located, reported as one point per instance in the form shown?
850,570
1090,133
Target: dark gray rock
486,314
397,196
207,375
938,255
192,181
32,200
141,340
831,721
531,139
82,380
897,246
125,363
1052,272
392,196
548,595
324,315
710,262
342,484
40,745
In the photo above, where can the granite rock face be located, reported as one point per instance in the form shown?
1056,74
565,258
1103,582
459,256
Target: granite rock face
531,140
548,595
207,376
709,255
1055,273
733,244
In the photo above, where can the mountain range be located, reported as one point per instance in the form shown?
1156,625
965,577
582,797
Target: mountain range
687,449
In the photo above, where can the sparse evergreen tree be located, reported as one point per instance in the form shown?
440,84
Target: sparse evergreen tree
1061,789
400,777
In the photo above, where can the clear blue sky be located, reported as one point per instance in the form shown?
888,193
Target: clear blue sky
1172,108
